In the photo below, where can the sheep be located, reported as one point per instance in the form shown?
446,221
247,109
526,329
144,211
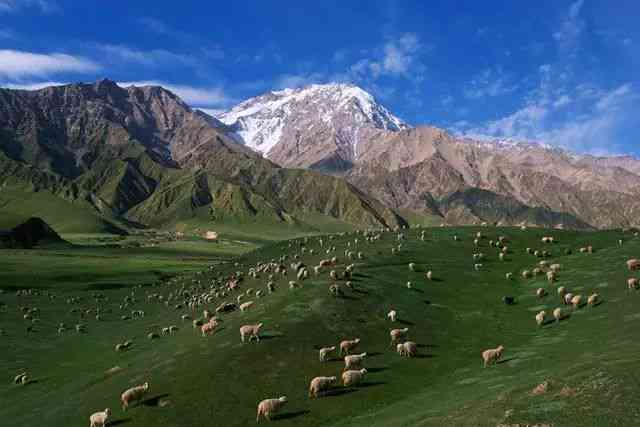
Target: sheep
252,331
334,290
409,285
567,298
268,407
293,284
392,315
509,276
333,275
408,348
541,293
354,361
209,327
593,299
540,317
576,301
561,293
633,264
552,276
152,335
320,384
555,267
477,267
501,256
557,314
397,335
19,379
412,266
353,377
271,287
492,355
632,283
99,419
429,275
347,346
165,331
246,305
134,394
324,352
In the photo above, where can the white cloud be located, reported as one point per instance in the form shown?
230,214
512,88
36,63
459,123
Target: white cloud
196,96
31,86
489,83
17,65
145,57
44,6
571,28
562,101
398,57
299,80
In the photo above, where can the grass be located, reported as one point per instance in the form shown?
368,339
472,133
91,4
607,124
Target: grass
590,358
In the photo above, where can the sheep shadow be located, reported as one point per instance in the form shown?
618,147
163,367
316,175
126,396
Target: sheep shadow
598,303
420,291
374,354
290,415
360,291
153,401
339,391
501,361
436,279
427,302
347,297
270,336
119,422
423,356
376,370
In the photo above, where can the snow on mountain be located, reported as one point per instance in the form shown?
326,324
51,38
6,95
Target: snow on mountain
293,116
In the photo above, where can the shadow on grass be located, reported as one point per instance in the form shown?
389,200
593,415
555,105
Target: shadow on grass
423,356
339,391
347,297
360,291
420,291
290,415
153,401
119,422
376,370
436,279
374,354
270,336
427,302
499,362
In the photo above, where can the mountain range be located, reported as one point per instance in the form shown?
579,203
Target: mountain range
121,157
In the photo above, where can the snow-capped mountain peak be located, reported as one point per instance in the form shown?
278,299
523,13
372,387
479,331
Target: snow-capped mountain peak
279,121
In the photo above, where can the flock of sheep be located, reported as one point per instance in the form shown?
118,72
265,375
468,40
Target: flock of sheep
229,295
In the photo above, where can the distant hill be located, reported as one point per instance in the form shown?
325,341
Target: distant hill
34,232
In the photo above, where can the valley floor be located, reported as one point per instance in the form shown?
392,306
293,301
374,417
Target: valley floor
588,359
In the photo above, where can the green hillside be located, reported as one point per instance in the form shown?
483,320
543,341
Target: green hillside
589,359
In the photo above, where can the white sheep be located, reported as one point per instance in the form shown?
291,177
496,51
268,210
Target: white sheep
134,394
252,331
477,267
408,348
99,419
509,276
429,275
320,384
246,305
492,355
633,264
633,283
541,292
540,317
576,301
324,352
593,299
567,298
353,377
354,361
347,346
557,314
412,266
551,276
397,335
293,284
268,407
392,315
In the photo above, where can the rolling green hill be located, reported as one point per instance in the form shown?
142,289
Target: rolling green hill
589,359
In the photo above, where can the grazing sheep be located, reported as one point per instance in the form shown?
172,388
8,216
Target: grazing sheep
99,419
268,407
501,256
353,377
567,298
152,335
576,301
492,355
324,352
354,361
209,327
134,394
541,293
552,276
509,276
429,275
593,299
561,293
477,267
633,283
397,335
19,379
530,251
334,290
409,285
320,384
392,315
557,314
555,267
271,287
165,331
293,284
347,346
252,331
408,349
412,266
540,317
633,264
246,305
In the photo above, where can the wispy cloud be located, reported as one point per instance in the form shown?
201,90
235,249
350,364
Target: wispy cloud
399,57
153,57
194,96
571,27
489,83
31,86
43,6
17,65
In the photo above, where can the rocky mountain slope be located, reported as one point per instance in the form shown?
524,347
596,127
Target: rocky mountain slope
141,156
426,169
319,126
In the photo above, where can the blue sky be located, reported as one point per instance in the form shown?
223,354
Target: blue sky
560,72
